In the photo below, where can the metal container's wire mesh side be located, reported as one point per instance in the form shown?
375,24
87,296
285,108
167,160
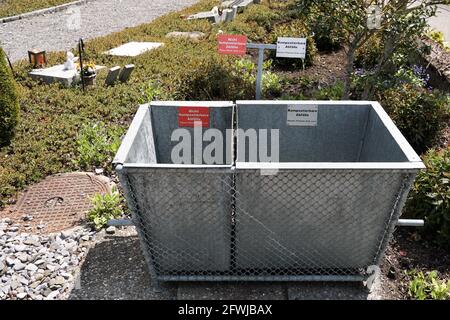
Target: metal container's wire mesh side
237,224
316,235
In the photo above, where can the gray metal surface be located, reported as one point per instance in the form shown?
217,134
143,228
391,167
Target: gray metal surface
326,214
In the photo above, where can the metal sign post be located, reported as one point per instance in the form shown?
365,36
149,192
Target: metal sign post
261,47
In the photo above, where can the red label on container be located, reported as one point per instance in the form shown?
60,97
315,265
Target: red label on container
232,44
187,116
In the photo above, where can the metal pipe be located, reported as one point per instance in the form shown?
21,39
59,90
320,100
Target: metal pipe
410,223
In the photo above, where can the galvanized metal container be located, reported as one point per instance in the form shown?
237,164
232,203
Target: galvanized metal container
180,210
324,211
329,206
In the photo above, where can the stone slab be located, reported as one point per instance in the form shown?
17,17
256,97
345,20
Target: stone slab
58,74
194,35
126,73
133,49
113,73
231,291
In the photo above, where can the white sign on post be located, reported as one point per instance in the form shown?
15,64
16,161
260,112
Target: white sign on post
302,115
291,47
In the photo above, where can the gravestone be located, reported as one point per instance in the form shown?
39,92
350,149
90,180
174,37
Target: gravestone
126,73
113,73
229,14
58,74
212,16
243,5
194,35
133,49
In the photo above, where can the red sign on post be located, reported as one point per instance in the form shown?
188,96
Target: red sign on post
232,44
187,116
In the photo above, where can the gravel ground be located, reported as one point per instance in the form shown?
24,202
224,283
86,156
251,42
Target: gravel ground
40,266
61,30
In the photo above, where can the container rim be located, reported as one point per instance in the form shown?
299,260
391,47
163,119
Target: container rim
414,161
200,104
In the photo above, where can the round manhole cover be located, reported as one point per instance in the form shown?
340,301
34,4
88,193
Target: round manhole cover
57,203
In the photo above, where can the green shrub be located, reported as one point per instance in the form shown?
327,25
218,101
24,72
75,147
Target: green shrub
106,207
418,113
428,286
333,92
263,16
294,28
246,70
9,103
368,55
96,145
328,33
429,198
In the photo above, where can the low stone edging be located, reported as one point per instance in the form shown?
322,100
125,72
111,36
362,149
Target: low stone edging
43,11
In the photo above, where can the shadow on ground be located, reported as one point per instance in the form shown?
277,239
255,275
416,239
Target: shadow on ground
115,269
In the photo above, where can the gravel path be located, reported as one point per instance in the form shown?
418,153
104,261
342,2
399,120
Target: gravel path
61,30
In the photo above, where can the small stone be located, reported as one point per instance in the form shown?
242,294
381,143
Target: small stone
39,262
3,268
52,295
14,284
10,261
23,281
66,275
40,226
99,170
57,282
65,234
23,257
85,238
47,291
13,229
21,295
32,242
20,248
111,230
31,267
19,266
27,218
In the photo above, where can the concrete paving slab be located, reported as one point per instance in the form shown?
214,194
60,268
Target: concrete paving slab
58,74
231,291
133,49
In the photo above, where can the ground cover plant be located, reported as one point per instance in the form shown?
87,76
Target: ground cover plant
14,7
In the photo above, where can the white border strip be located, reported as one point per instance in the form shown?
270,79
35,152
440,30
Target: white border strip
328,165
133,130
206,104
39,12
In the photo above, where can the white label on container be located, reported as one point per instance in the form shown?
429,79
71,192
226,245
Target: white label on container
302,115
291,47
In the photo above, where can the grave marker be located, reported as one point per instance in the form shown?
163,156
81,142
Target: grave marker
113,73
126,73
133,49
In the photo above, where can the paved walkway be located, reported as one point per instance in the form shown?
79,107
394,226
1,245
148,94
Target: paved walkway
61,30
441,21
